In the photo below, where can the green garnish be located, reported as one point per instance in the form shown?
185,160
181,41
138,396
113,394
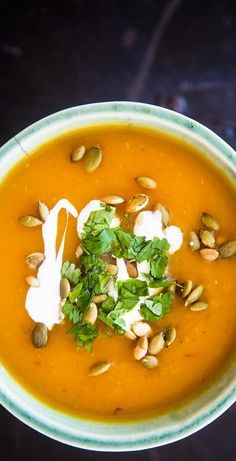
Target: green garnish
156,306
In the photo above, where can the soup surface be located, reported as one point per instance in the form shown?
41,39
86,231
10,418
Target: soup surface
187,185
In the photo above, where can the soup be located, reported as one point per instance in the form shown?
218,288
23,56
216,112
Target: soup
165,322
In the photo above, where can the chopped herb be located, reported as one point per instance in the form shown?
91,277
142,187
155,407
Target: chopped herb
99,244
71,272
98,221
157,306
71,312
84,334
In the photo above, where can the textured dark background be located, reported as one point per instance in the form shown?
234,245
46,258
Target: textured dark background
176,54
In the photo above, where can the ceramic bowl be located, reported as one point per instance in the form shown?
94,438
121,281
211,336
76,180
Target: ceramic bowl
145,432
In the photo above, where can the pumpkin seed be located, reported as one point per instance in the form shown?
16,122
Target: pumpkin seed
228,249
130,335
91,314
93,158
99,298
209,254
194,241
34,260
199,306
113,199
194,295
146,182
207,237
210,221
149,361
137,203
64,288
172,288
39,335
156,344
187,287
164,213
140,328
170,336
32,281
43,211
132,270
99,368
79,251
78,153
141,349
112,269
30,221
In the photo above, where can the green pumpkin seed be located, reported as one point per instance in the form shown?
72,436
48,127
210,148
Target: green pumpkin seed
170,336
164,213
91,314
209,254
113,199
79,251
228,249
209,221
156,344
99,298
130,335
207,237
99,368
39,335
146,182
34,260
199,306
140,328
43,211
132,270
172,288
32,281
194,295
30,221
141,349
78,153
137,203
187,287
64,288
93,158
112,269
149,361
194,241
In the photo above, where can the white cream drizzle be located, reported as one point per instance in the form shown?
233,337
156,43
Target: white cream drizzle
43,302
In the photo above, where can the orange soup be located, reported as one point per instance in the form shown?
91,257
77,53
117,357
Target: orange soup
178,275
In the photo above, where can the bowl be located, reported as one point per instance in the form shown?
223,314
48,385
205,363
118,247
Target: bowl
144,432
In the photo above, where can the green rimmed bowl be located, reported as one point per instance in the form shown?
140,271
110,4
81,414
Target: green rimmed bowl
144,432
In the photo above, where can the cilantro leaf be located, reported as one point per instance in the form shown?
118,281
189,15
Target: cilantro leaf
90,262
71,272
98,221
132,286
126,245
100,243
84,334
156,306
158,264
71,312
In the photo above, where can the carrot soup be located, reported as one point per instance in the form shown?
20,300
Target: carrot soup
118,261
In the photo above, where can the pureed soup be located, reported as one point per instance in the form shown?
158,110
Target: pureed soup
118,261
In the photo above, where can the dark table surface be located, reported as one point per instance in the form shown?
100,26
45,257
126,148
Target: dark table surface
173,53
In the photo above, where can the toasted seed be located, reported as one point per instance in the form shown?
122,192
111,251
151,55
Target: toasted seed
78,153
113,199
99,298
140,328
64,288
209,254
32,281
99,368
172,288
112,269
130,335
199,306
207,237
149,361
146,182
194,295
132,270
210,221
93,158
194,241
228,249
62,303
39,335
34,260
164,213
91,314
137,203
187,287
157,343
141,348
170,336
79,251
30,221
43,211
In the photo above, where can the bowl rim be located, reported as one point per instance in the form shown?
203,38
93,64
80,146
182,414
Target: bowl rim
100,435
